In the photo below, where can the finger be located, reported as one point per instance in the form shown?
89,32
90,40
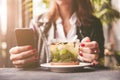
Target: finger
19,66
19,49
84,59
27,61
91,45
95,62
23,55
89,51
85,50
96,51
89,57
30,64
86,39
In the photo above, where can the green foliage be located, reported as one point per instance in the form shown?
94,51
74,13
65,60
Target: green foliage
64,54
118,53
105,11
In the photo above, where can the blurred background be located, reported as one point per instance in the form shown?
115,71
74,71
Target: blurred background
18,13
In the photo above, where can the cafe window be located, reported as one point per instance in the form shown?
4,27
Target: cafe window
3,29
18,13
15,14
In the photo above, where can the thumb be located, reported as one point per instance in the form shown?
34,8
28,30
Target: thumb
86,39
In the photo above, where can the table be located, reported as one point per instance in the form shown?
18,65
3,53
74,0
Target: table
38,74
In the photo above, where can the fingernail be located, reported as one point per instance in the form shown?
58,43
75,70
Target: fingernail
81,54
36,58
94,64
30,47
82,45
34,51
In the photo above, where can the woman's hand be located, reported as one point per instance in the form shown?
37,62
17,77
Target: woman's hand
23,56
89,51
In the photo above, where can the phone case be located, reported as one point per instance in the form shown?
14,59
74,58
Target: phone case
24,36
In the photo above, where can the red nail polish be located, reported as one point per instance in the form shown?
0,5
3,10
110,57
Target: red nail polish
82,45
94,64
29,47
35,59
36,56
34,50
80,54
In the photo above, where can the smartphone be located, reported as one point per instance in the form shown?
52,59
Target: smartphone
25,36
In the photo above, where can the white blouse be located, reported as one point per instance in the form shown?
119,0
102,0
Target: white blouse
60,35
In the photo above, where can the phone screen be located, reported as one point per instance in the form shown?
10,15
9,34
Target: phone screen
25,36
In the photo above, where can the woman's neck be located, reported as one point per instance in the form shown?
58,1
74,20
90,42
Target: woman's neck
65,11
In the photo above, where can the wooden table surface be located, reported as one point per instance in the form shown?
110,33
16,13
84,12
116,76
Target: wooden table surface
38,74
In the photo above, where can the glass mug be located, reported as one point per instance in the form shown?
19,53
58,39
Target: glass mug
63,52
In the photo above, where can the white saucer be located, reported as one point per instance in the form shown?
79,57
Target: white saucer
65,68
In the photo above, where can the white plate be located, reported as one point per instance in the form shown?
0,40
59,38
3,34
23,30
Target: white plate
65,68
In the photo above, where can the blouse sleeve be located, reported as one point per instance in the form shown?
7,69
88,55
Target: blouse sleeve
99,37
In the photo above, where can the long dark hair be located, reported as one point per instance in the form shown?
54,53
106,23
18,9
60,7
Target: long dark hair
84,11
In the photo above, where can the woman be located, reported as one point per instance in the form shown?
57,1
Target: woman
64,20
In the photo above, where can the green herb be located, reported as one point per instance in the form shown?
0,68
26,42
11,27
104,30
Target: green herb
64,53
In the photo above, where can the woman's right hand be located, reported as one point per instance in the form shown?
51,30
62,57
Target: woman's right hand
23,56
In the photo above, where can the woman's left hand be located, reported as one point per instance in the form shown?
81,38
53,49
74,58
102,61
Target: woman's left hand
89,51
